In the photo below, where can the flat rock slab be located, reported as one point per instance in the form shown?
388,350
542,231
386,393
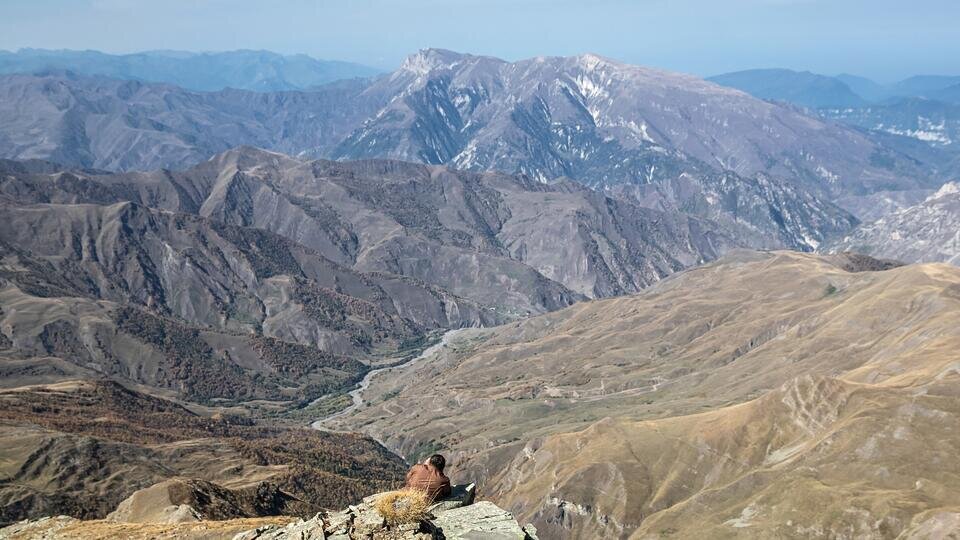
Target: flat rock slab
300,530
480,521
460,495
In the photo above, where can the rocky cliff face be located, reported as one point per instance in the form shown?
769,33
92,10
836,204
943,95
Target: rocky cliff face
597,120
926,232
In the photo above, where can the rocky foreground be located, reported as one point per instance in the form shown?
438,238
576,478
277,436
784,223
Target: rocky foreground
186,509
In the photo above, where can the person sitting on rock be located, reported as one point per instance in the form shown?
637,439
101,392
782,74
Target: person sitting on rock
428,476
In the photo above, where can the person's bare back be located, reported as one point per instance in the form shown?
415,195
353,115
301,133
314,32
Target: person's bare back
428,477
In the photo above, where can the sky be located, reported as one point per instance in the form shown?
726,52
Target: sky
883,39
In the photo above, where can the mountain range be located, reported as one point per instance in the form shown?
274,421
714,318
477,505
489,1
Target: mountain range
920,108
837,92
766,172
263,71
798,87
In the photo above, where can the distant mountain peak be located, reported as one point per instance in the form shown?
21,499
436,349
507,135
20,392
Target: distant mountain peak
950,188
591,61
426,60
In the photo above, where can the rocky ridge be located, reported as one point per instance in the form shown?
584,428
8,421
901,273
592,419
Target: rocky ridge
81,447
190,510
926,232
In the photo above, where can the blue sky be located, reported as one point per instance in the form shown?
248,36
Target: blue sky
883,39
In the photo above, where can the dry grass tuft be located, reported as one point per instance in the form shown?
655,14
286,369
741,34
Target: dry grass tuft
403,506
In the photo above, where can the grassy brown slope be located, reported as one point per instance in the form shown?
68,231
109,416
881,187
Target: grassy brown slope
707,341
816,457
80,448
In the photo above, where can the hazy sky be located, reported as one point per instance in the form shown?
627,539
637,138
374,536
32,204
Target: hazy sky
884,39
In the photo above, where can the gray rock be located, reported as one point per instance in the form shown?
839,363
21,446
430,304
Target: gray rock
311,529
926,232
45,528
367,521
460,495
483,520
338,523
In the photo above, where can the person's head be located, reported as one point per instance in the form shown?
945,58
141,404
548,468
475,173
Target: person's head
438,462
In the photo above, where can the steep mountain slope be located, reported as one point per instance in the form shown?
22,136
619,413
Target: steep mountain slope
217,276
926,232
743,398
862,86
49,339
244,69
195,309
602,122
949,94
678,139
505,242
265,282
79,448
801,88
923,85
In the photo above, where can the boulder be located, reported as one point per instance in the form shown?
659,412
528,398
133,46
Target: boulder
455,517
45,528
367,521
184,500
460,495
175,501
338,523
311,529
483,520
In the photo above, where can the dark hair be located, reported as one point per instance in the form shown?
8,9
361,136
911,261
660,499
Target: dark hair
438,461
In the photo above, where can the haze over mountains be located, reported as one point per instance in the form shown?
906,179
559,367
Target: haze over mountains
244,69
922,108
823,91
671,142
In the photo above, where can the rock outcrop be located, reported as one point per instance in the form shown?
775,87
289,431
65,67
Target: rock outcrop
456,517
186,509
181,500
926,232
